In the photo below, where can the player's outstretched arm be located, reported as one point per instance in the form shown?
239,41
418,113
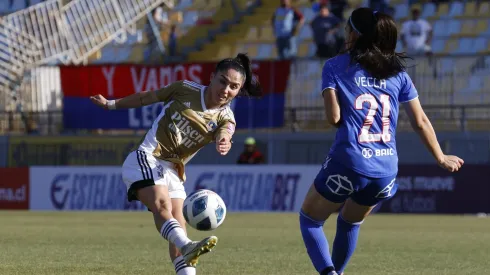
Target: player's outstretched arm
128,102
421,124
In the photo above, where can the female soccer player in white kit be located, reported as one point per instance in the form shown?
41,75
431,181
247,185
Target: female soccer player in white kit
362,90
193,116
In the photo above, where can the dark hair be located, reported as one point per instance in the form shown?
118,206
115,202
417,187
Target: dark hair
375,47
241,63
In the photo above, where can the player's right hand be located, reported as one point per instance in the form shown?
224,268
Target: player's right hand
99,100
451,163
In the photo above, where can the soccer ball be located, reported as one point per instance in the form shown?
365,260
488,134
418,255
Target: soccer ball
204,210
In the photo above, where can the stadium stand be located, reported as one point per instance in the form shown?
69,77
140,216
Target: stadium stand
54,32
209,30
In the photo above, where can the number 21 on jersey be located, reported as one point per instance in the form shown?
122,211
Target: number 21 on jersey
365,135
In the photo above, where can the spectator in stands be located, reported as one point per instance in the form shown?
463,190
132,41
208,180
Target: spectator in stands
161,21
416,35
379,5
161,16
286,23
325,27
315,4
172,41
250,154
337,8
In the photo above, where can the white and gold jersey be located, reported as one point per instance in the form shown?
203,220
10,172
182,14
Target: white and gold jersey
185,125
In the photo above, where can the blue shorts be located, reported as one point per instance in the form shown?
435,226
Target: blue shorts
337,183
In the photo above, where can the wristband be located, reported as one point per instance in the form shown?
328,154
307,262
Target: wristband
111,104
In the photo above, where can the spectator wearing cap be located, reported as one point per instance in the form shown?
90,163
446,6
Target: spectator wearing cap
250,154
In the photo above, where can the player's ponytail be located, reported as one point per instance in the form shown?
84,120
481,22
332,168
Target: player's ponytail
374,48
242,64
251,87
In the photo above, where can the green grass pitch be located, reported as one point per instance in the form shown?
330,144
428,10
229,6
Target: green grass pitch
249,243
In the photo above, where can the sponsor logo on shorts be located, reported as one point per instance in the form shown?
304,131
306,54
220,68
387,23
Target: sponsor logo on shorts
387,191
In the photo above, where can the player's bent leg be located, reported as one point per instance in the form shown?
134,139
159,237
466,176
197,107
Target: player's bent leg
349,221
193,250
181,268
157,199
315,210
355,210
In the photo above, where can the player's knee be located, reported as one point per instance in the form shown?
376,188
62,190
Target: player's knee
353,212
161,206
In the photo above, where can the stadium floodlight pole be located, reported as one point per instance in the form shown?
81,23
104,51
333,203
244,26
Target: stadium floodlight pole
156,33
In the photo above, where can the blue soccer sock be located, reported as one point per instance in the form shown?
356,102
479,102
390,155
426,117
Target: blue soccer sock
345,243
316,243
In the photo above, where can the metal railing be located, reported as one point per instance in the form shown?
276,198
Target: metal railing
443,118
453,91
70,33
456,118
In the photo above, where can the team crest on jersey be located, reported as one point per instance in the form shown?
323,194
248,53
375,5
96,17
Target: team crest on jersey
160,171
211,126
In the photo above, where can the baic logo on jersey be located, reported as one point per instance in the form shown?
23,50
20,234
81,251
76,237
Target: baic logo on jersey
368,153
186,135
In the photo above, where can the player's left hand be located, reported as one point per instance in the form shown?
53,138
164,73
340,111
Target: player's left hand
99,100
223,145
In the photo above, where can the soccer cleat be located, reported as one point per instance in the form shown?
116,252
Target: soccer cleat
193,250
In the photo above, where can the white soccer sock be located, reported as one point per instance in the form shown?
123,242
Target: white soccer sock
173,233
181,268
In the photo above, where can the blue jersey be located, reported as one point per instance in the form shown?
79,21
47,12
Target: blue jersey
365,141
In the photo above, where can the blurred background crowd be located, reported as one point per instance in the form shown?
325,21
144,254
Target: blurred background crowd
448,40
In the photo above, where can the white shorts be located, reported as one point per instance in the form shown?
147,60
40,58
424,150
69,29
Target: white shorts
141,169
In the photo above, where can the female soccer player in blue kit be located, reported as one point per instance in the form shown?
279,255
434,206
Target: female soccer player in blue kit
362,90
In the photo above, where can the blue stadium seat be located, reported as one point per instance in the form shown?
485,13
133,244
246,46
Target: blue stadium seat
428,10
465,46
183,4
131,39
265,51
305,33
34,2
438,45
480,44
190,18
309,14
456,9
399,47
446,65
123,53
17,5
440,28
454,26
401,11
475,83
4,7
487,31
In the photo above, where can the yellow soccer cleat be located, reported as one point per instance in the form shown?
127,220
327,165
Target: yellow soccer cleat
192,251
